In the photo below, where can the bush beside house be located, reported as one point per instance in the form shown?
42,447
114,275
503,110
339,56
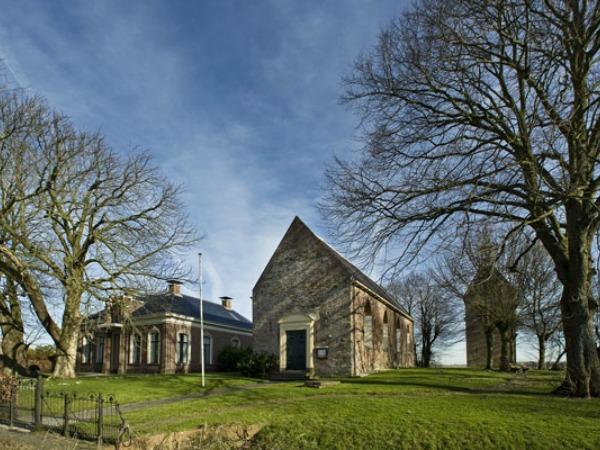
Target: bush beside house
246,361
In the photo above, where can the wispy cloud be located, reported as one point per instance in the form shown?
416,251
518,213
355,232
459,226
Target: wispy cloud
237,101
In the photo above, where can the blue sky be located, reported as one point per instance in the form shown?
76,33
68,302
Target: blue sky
237,100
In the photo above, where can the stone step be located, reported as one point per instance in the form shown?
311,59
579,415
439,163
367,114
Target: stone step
289,375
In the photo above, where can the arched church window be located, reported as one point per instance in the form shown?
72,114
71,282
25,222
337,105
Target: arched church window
368,326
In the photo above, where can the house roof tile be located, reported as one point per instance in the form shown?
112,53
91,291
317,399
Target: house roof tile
186,305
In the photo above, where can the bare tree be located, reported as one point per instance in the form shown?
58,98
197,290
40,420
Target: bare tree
21,123
100,225
477,110
437,323
540,308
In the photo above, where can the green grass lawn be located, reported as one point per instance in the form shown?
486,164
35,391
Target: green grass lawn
138,388
410,408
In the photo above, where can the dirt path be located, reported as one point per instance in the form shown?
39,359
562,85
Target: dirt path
23,440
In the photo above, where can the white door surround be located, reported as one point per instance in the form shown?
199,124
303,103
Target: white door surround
293,322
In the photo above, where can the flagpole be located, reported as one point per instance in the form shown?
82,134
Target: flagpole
201,318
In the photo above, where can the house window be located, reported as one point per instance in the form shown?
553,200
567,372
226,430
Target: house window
398,336
235,342
207,350
86,350
135,349
100,349
407,335
368,327
386,332
182,348
154,347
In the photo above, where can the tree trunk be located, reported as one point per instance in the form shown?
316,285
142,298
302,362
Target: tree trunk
14,354
489,347
65,360
66,348
541,352
426,355
583,366
504,349
14,349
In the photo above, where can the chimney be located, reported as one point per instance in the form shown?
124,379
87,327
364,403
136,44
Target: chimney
226,302
175,287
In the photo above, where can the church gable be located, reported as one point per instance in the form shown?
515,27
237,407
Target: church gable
302,260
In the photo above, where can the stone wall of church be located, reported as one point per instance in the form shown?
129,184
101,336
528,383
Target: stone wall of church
395,350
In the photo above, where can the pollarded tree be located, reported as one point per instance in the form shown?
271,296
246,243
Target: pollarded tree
483,109
101,224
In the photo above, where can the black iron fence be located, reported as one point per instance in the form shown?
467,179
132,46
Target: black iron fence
92,417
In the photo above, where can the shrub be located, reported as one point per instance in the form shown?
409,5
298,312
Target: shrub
230,357
258,365
41,359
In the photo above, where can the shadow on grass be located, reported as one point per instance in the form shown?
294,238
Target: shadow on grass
453,388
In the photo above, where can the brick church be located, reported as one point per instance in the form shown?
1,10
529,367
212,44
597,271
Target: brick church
320,314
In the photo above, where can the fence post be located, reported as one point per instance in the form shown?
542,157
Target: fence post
100,415
66,415
37,418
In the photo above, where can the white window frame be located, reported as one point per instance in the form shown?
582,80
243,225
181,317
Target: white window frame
99,356
154,330
86,350
187,349
398,337
210,347
132,346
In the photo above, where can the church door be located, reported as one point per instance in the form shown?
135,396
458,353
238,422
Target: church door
296,350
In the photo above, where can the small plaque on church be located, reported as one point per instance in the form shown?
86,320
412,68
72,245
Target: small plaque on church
322,352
